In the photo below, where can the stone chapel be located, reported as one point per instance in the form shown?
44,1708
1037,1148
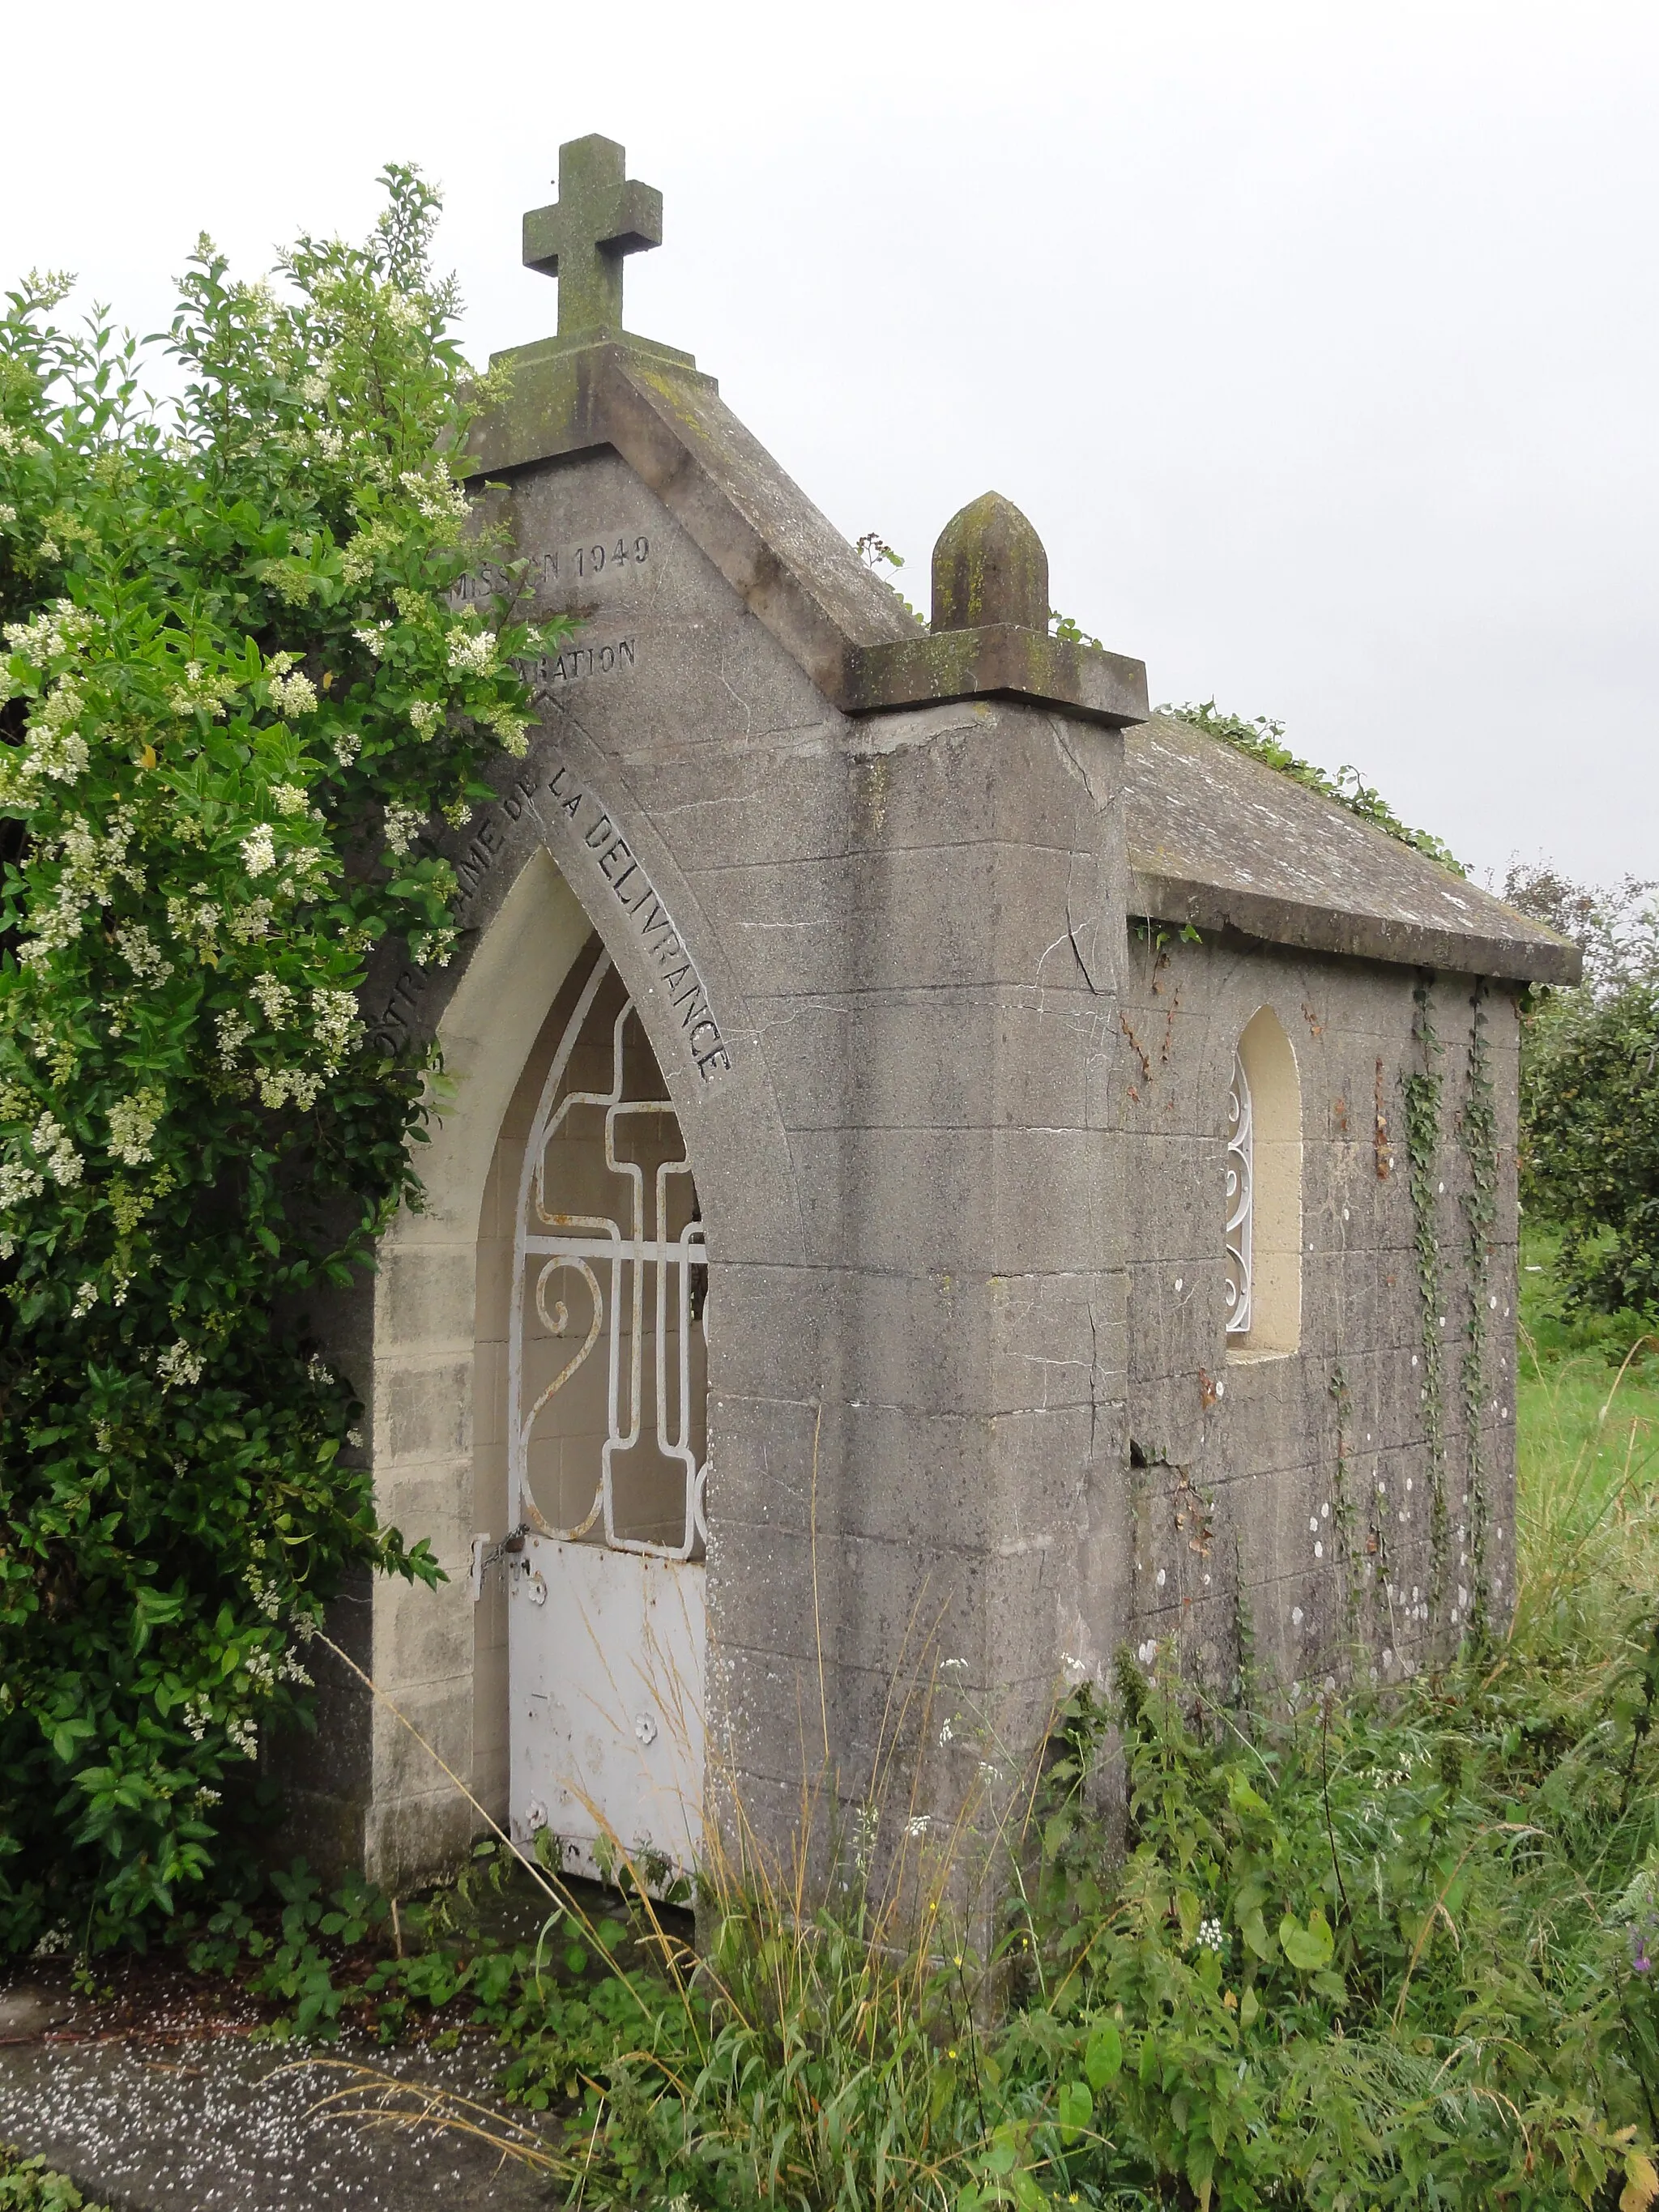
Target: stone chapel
946,1167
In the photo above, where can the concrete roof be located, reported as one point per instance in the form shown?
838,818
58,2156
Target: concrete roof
1224,842
1216,839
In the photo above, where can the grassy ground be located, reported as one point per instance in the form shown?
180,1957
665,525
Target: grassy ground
1578,1399
1587,1413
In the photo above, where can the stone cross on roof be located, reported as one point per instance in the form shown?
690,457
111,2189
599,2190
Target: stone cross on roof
600,215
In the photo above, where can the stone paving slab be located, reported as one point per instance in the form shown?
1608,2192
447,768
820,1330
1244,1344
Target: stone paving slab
205,2122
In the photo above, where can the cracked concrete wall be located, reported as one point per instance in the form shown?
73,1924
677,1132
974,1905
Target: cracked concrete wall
879,962
957,1133
1304,1484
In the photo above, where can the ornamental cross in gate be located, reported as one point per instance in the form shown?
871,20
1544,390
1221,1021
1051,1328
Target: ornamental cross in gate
599,216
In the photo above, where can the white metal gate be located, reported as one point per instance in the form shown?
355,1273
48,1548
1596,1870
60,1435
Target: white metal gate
607,1459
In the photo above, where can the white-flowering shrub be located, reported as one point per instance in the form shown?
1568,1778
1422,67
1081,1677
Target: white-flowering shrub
230,656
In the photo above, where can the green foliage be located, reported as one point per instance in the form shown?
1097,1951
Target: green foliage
1362,1957
1477,1136
1589,1099
1423,1137
871,548
236,692
351,1956
1068,632
26,2186
1590,1140
1264,741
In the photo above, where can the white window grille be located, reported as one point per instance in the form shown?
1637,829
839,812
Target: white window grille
613,1261
1240,1177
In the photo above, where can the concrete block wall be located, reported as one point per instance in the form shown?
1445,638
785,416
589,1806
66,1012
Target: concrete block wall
1303,1483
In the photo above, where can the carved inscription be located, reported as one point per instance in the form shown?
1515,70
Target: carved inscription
577,661
614,860
637,896
545,573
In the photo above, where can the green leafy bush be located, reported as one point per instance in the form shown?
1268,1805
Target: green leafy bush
1589,1092
1590,1116
237,688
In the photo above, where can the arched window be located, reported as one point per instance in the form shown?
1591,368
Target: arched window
1263,1233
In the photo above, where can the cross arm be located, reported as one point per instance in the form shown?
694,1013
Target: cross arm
633,223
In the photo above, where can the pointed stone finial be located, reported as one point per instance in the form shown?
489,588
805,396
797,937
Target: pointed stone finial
601,214
990,566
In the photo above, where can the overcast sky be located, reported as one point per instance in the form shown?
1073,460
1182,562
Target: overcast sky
1320,342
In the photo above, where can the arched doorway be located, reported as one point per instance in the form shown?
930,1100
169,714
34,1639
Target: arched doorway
607,1457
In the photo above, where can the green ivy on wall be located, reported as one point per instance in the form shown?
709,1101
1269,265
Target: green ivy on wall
1342,1504
1477,1141
1423,1144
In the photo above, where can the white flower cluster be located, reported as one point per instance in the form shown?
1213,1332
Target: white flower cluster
404,311
262,1672
195,921
17,441
85,1299
132,1123
251,923
266,1595
278,1084
289,798
243,1734
401,824
435,493
18,1183
1210,1936
511,727
197,1714
358,558
425,715
292,1671
276,999
142,953
179,1365
91,865
57,750
57,632
471,651
234,1030
202,693
259,850
372,637
347,746
8,517
291,694
432,948
337,1024
55,1152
